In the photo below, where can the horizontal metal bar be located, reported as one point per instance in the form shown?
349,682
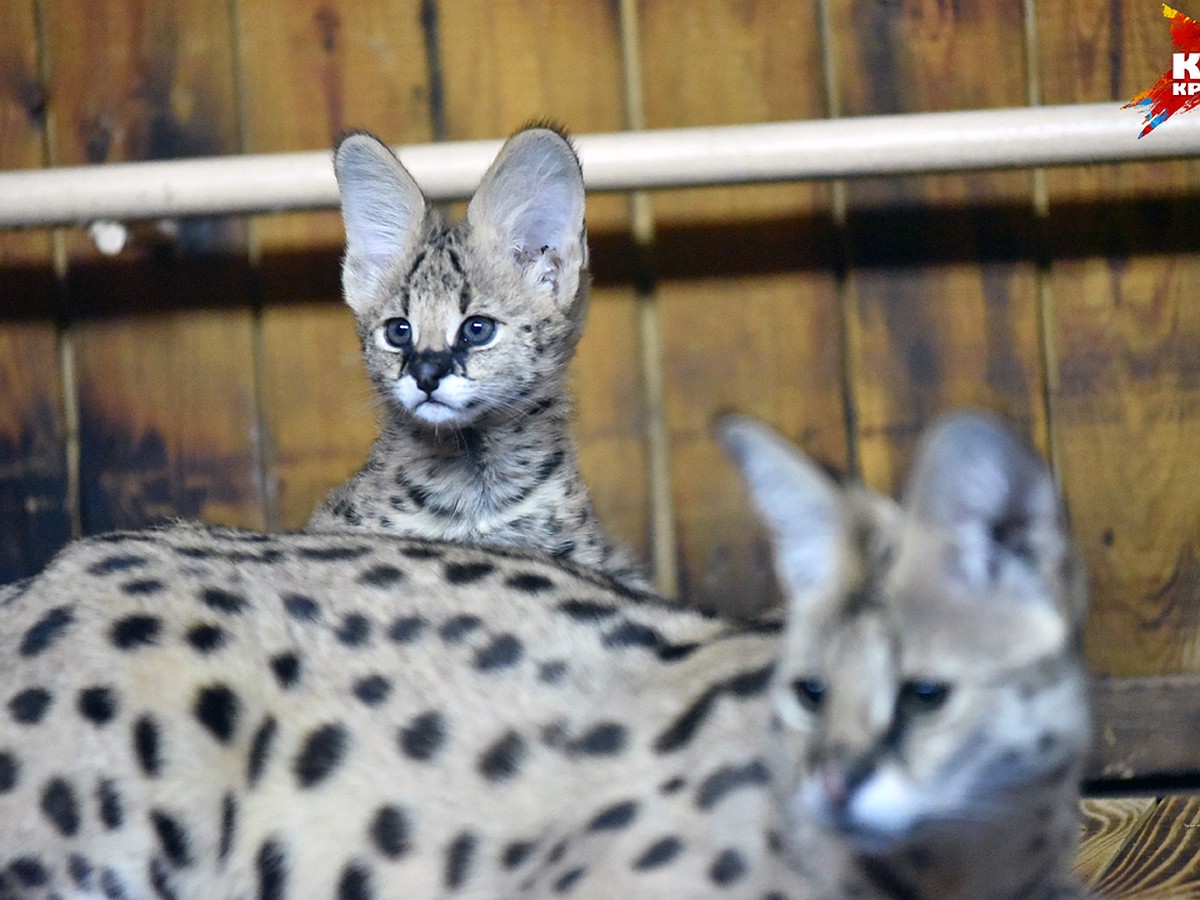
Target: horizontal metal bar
637,160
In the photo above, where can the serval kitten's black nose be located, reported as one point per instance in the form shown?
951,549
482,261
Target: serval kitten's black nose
429,367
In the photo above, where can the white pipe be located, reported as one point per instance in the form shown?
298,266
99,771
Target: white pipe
783,151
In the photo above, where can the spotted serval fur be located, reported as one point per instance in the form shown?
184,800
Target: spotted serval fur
467,332
202,713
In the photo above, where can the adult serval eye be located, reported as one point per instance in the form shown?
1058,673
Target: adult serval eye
810,692
477,330
924,696
397,333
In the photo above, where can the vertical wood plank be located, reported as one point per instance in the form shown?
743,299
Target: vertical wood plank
311,70
34,520
509,63
744,280
1125,276
942,288
163,333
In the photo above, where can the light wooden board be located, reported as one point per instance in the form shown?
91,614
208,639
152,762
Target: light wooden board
34,520
942,288
162,334
1161,858
1126,325
744,280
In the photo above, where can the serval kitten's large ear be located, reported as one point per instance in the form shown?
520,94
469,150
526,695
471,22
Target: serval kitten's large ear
998,502
383,210
529,209
799,504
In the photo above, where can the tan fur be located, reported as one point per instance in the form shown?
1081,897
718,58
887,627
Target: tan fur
593,742
487,456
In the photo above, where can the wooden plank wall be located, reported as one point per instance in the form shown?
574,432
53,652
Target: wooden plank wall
210,372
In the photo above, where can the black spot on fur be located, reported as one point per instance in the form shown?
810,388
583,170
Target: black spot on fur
222,600
557,852
459,857
615,817
322,752
727,868
504,651
272,871
134,631
672,785
30,705
118,563
229,816
97,704
302,608
407,629
632,634
515,854
381,576
529,582
172,838
390,830
685,726
10,770
659,853
467,573
206,638
355,630
147,745
110,884
457,628
29,871
355,883
332,554
730,778
372,690
569,879
423,736
217,709
108,801
586,610
48,629
552,672
81,871
604,739
421,552
286,667
260,750
160,880
142,587
502,760
61,807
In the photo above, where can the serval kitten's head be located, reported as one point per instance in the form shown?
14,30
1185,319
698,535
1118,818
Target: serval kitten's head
478,319
931,683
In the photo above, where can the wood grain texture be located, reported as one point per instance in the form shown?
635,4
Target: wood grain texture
163,333
942,287
1107,826
1161,858
311,70
512,62
744,280
1126,325
34,520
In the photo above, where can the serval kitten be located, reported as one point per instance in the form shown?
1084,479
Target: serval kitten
467,332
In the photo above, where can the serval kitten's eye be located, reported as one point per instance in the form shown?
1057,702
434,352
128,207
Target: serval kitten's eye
924,696
477,331
810,692
397,333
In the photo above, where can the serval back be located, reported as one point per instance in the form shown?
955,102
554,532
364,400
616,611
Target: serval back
212,713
